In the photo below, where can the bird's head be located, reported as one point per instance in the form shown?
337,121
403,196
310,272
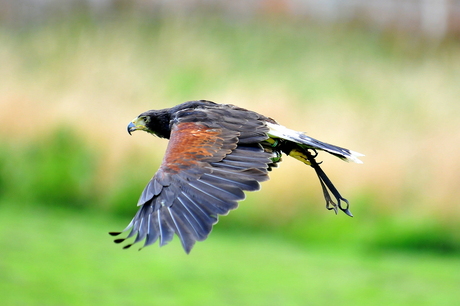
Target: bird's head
139,123
153,122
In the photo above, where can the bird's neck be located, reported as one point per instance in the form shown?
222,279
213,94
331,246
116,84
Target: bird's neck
159,124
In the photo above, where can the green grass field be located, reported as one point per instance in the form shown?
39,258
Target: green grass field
62,257
69,172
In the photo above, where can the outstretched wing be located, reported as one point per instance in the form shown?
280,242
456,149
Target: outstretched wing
212,157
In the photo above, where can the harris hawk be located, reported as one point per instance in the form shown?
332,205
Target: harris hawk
215,153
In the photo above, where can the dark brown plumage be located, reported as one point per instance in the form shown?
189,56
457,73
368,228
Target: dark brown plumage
215,153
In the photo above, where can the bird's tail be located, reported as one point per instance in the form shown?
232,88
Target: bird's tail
307,142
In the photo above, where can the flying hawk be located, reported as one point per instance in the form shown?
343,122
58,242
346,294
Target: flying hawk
215,153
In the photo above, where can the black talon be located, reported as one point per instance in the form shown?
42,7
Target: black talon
345,209
332,206
347,212
315,153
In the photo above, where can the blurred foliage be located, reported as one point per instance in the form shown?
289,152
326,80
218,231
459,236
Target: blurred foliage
58,169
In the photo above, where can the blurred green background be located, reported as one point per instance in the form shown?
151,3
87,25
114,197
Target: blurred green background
69,172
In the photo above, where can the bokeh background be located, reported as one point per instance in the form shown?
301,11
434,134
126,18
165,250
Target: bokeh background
378,77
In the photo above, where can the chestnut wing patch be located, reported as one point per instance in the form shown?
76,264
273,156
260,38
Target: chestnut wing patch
192,143
204,173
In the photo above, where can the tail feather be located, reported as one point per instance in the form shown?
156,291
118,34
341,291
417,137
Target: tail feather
307,142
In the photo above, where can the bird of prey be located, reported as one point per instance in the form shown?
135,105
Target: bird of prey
215,153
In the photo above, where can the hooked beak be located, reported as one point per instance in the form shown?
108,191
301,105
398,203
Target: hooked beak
131,128
137,124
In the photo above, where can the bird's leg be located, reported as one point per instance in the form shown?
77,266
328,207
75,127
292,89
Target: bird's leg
270,145
315,153
300,155
307,157
272,142
327,186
